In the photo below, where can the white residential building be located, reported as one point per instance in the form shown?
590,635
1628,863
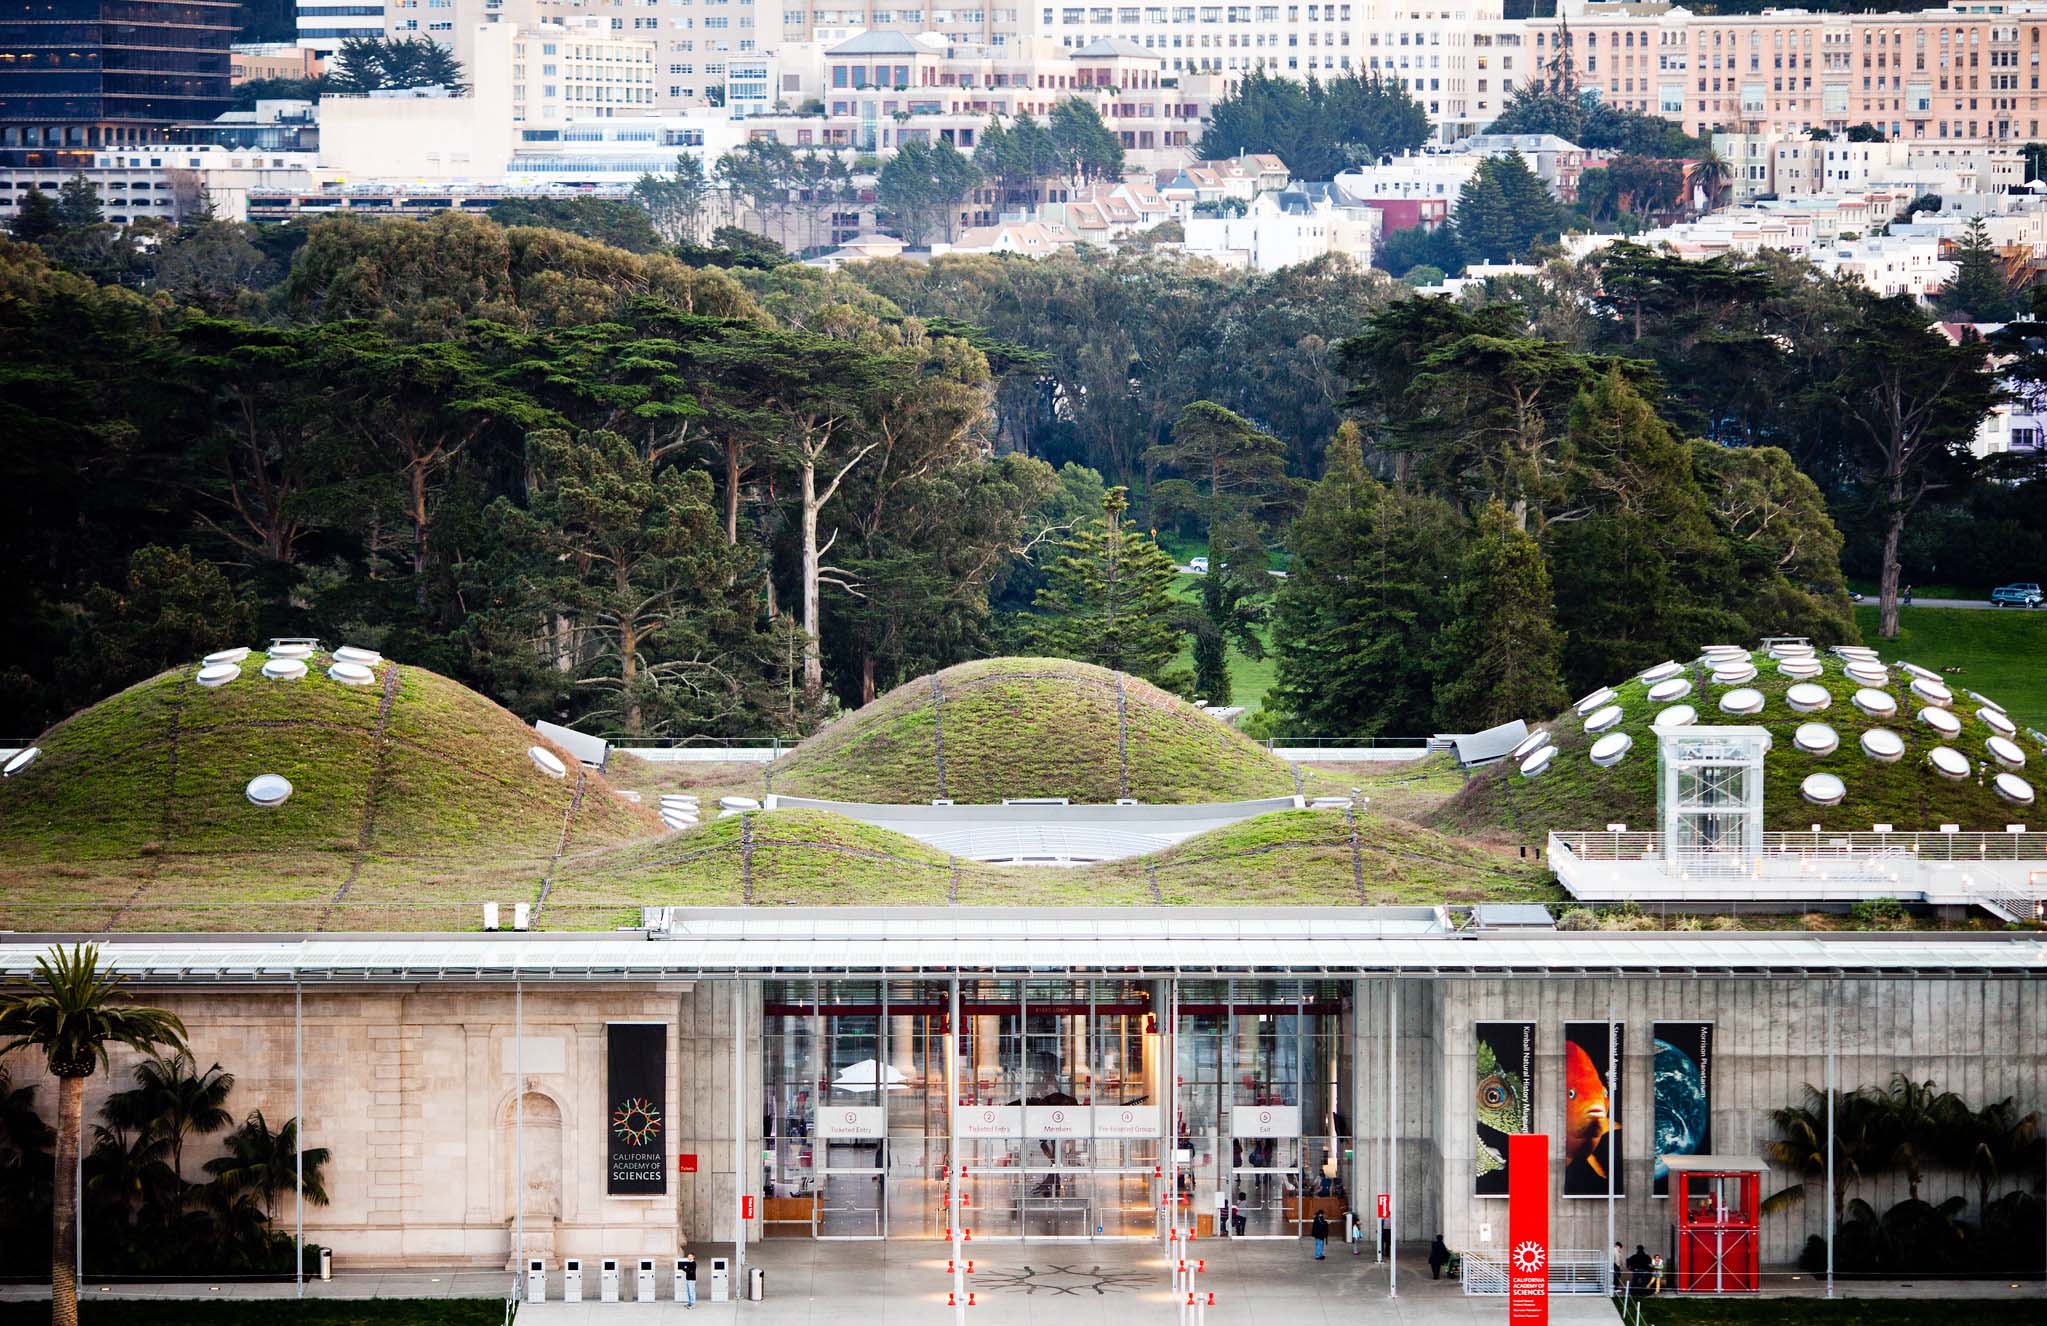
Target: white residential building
167,181
1276,230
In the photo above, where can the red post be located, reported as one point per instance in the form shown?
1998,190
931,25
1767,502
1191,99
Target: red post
1528,1229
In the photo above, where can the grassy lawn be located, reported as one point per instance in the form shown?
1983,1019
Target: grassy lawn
1924,590
266,1312
1250,678
1999,652
2024,1306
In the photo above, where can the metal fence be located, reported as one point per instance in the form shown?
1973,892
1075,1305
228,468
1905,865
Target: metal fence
1571,1271
1592,845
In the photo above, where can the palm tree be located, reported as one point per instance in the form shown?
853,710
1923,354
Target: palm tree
1914,1124
1801,1144
71,1013
1713,173
180,1102
1991,1142
266,1163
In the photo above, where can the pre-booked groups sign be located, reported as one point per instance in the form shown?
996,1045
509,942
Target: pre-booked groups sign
636,1109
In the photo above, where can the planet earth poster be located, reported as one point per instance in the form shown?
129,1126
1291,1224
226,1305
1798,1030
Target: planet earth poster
1503,1099
1681,1078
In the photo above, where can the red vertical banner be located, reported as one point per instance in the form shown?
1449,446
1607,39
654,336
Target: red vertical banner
1528,1229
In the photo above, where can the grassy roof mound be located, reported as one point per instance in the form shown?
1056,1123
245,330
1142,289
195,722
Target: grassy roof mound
414,792
1575,794
1030,727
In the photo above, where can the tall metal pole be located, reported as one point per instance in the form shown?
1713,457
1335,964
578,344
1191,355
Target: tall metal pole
738,1139
1358,1184
298,1127
1393,1136
518,1124
1169,1075
1830,1141
1613,1122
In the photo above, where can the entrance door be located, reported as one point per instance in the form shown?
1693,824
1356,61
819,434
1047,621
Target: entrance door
1058,1190
1267,1188
853,1190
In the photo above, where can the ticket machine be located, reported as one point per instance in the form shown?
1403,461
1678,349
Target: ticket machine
721,1280
643,1281
572,1280
607,1280
536,1280
1718,1208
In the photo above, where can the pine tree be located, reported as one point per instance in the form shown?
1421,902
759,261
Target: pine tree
1977,292
1108,600
1501,650
78,203
35,218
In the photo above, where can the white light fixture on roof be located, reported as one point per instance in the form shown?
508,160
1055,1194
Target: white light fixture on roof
1735,673
1674,688
1883,745
2014,789
1661,672
547,761
1942,721
284,669
1603,696
1986,702
1924,674
738,803
1807,698
1610,749
216,675
1678,715
1949,763
1933,692
352,654
1539,762
1603,719
268,789
20,760
1823,789
1995,720
1875,703
1800,669
2006,752
1868,674
1528,745
1747,700
351,674
291,651
234,655
1816,739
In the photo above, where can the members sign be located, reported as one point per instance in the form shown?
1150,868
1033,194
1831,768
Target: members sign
1528,1229
636,1109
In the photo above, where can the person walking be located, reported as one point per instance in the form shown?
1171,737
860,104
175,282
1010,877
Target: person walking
1638,1271
1238,1220
1320,1231
689,1278
1439,1257
1620,1274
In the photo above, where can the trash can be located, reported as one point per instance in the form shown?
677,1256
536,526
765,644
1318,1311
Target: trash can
326,1263
756,1283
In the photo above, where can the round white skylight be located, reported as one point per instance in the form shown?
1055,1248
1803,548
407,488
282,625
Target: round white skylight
1948,762
284,669
1924,674
1528,745
291,651
1539,762
1932,692
1942,721
1747,700
1724,651
215,675
351,674
547,761
1678,715
1610,749
1674,688
1816,739
352,654
20,760
1661,672
1875,703
1603,719
1735,673
1868,674
1823,789
738,803
1807,698
1800,669
1986,702
234,655
1883,745
2014,789
1855,651
1603,696
2006,752
268,789
1996,721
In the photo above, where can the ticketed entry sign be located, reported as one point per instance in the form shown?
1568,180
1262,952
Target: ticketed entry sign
1528,1229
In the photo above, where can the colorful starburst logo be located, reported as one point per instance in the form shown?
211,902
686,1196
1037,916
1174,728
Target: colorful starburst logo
636,1121
1529,1256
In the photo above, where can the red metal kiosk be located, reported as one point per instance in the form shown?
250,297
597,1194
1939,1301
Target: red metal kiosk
1718,1232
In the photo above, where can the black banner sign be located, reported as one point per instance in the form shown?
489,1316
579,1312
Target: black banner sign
1683,1082
636,1109
1592,1109
1503,1099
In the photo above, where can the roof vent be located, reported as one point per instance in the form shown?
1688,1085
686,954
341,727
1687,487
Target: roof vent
234,655
1603,719
284,669
1676,688
1530,744
1603,696
2014,789
547,761
1816,739
215,675
1875,703
1800,669
2006,752
369,658
1734,673
1995,720
1538,763
1949,763
351,674
1932,692
1807,698
1883,745
1661,672
1942,721
1611,749
1678,715
1868,674
20,761
1747,700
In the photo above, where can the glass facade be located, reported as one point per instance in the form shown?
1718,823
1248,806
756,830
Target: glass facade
1056,1103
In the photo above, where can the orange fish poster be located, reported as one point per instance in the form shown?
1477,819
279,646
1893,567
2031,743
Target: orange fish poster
1592,1109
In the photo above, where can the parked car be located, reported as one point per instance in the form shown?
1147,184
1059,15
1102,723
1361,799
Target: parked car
2023,595
1199,566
